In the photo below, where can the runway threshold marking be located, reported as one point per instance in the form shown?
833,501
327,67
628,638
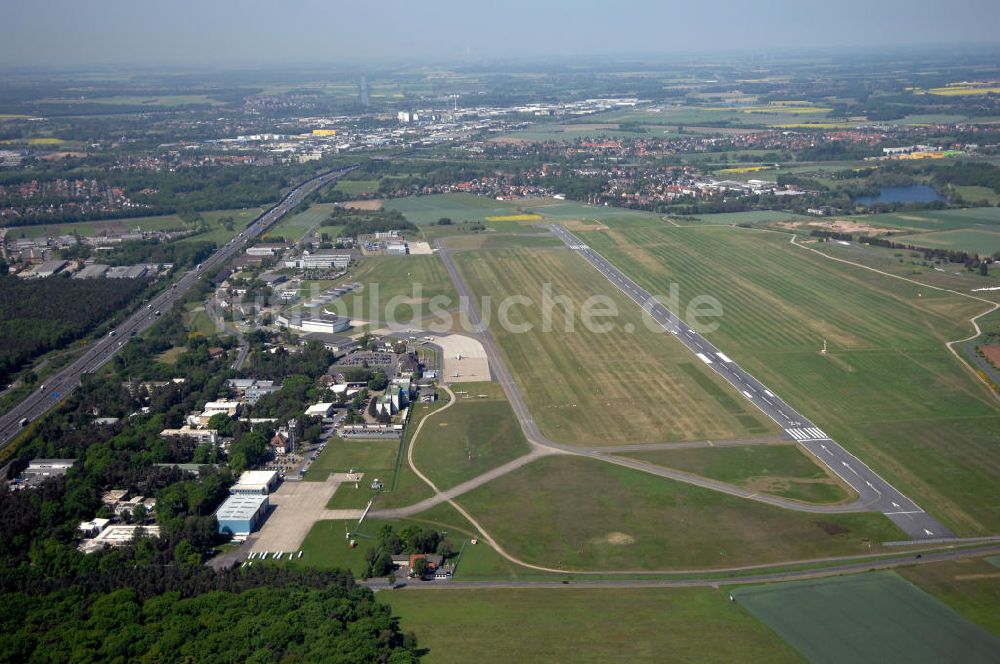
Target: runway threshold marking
807,434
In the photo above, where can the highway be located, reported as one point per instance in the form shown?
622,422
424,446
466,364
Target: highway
875,493
61,384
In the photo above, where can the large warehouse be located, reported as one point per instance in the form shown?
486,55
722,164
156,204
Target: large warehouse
241,514
256,482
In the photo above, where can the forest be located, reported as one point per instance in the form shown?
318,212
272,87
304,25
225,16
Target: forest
39,315
256,616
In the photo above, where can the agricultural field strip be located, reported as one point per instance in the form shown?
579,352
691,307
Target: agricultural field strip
867,617
875,492
534,436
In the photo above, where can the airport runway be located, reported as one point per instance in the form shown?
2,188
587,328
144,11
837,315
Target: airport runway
875,493
56,387
502,375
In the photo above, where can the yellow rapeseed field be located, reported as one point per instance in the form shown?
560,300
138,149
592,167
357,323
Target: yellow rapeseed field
961,89
515,217
34,141
746,169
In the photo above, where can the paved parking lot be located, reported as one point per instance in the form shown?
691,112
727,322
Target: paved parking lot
295,507
473,366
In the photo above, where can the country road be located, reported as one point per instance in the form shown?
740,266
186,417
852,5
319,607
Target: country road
906,560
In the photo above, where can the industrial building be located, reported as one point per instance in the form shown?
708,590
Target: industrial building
319,261
265,250
326,323
255,483
48,268
201,436
241,514
127,272
319,410
252,389
39,470
396,248
117,535
92,271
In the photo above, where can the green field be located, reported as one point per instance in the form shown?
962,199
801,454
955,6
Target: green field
485,241
471,437
396,288
782,470
375,458
220,234
563,211
978,194
295,226
982,241
970,587
888,389
937,220
197,320
911,264
587,387
424,210
355,187
734,218
327,545
635,625
876,617
582,514
757,116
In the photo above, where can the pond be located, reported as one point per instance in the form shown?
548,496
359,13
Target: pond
914,193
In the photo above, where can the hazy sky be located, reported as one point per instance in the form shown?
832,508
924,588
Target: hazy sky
58,32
